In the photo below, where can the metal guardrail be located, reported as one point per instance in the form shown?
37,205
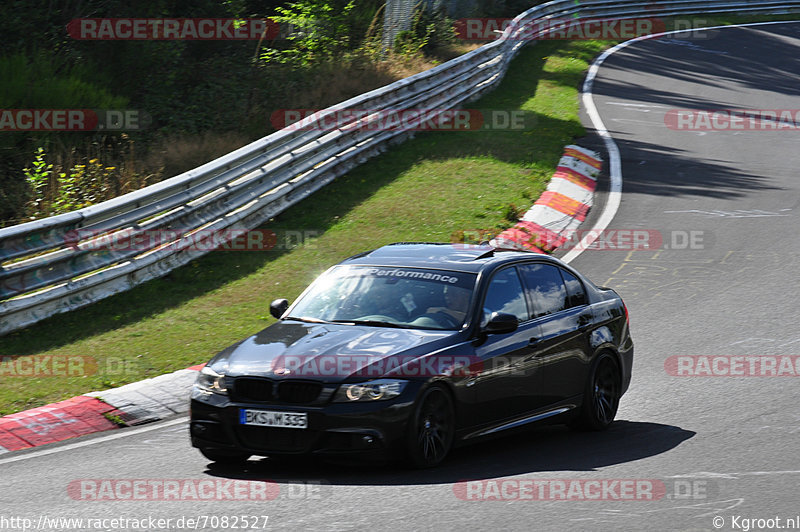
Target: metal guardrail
49,266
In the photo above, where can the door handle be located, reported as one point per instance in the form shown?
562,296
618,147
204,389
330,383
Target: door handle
584,321
533,341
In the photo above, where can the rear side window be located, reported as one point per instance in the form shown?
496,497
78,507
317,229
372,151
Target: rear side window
545,288
576,295
505,294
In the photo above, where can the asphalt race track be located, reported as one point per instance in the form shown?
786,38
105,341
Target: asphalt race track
724,204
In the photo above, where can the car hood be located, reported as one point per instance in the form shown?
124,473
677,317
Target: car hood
328,352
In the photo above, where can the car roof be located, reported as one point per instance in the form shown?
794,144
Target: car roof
450,256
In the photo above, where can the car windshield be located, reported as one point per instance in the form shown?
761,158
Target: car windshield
388,297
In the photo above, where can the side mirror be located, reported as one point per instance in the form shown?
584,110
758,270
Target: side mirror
278,307
501,323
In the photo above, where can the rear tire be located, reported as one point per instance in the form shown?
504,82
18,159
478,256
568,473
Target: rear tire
224,457
602,394
431,429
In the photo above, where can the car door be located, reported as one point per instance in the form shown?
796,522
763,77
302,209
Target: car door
507,382
560,309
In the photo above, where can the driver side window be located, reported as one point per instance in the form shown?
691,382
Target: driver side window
505,294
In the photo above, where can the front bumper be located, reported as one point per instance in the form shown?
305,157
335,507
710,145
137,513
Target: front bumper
336,428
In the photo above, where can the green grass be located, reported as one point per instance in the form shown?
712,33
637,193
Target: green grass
425,189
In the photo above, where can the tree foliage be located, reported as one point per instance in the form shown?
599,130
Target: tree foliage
187,87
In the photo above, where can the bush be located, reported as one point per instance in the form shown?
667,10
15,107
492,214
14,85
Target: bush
430,30
320,31
78,182
41,82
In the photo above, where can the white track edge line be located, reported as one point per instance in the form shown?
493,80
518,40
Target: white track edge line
615,162
76,445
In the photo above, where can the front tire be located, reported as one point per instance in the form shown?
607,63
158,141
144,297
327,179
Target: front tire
602,394
432,428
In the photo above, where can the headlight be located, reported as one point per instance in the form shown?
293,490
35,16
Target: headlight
379,390
210,381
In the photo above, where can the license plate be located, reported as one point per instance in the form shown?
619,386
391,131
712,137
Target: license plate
270,418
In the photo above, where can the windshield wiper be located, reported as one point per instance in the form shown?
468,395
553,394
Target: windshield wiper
373,323
305,319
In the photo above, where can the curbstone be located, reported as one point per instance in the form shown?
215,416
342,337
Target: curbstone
136,403
558,212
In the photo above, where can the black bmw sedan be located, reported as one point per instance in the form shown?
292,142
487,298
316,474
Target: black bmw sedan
413,348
